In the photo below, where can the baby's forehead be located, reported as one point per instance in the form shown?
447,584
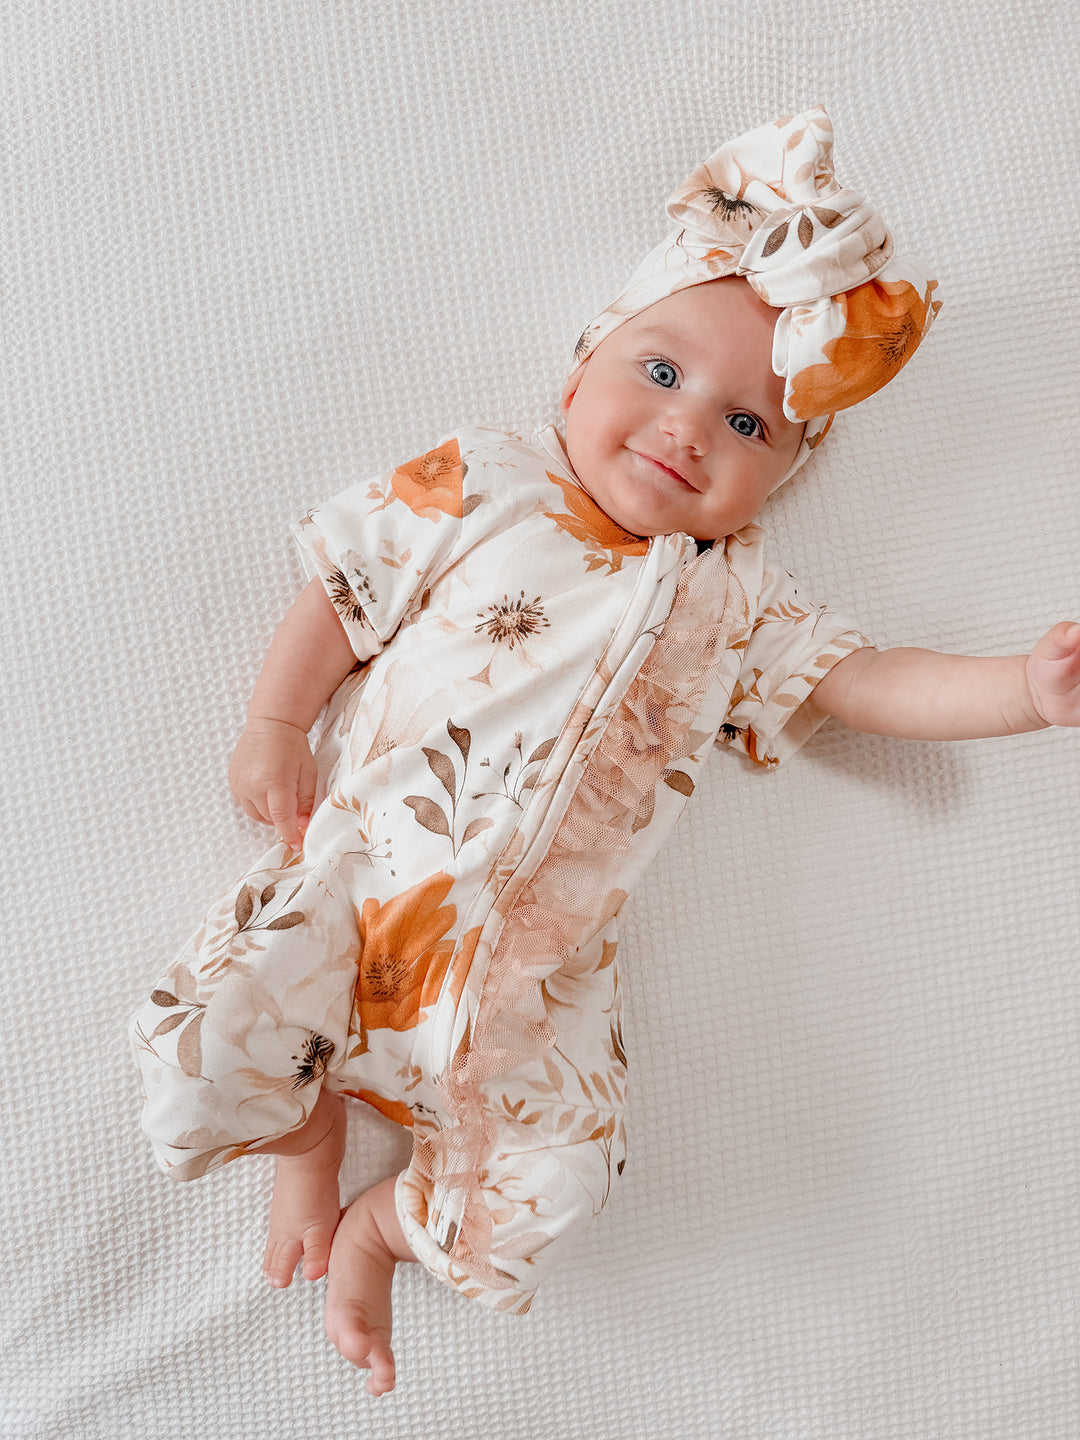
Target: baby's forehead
671,333
700,326
707,311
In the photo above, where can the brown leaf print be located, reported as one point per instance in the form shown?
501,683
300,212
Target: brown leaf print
528,772
441,767
395,559
475,826
680,781
169,1023
431,816
248,921
644,815
617,1042
189,1047
245,904
775,240
286,922
460,737
788,611
371,849
189,1016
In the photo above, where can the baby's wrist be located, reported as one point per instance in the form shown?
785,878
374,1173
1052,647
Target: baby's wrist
266,723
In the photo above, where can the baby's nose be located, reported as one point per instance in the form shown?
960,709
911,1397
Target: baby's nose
687,424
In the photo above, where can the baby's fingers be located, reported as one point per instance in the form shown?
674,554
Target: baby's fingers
281,803
1053,674
1060,641
252,811
1056,658
305,793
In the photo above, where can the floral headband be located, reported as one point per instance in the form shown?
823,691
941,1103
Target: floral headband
767,206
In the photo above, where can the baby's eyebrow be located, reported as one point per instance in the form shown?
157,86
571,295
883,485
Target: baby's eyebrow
657,332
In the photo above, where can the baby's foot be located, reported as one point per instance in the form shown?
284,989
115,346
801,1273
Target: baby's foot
306,1206
358,1319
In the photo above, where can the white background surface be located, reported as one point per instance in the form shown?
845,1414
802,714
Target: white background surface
250,253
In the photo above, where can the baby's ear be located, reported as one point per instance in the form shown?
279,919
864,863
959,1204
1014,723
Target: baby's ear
569,390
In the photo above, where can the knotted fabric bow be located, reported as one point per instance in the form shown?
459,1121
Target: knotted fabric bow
768,206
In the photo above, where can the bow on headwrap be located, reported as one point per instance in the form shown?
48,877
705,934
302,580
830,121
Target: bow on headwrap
768,207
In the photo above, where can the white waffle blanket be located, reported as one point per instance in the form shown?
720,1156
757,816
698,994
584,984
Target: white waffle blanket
250,252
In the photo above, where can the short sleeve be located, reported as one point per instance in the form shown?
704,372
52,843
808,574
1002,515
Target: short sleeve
791,646
378,545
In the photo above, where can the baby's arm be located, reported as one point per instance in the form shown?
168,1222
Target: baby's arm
273,773
925,695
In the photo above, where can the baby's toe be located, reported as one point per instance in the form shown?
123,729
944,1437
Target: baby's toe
280,1259
365,1348
317,1243
381,1360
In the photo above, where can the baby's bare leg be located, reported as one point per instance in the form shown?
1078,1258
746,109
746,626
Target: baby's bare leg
306,1207
368,1243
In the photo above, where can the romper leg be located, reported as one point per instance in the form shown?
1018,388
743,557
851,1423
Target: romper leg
537,1141
235,1039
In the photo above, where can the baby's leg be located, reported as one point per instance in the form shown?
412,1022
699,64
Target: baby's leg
368,1243
306,1206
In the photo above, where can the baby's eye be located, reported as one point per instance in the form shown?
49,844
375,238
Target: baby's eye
744,424
663,372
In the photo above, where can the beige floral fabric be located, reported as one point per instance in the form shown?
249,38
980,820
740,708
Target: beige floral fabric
538,692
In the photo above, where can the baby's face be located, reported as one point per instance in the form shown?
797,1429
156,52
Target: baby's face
676,420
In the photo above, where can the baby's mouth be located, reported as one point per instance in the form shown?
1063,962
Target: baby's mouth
674,475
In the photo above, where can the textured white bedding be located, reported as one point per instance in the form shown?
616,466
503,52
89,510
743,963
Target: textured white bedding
850,1211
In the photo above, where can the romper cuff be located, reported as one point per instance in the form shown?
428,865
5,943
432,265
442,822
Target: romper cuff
775,719
345,590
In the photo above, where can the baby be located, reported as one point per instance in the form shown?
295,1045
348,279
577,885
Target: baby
552,631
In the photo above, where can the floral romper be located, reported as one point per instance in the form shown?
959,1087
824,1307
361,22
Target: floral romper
537,691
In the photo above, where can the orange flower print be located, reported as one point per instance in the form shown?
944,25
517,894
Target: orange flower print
405,955
885,322
395,1110
588,523
432,484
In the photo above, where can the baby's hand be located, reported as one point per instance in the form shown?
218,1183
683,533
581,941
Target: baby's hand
1053,674
273,776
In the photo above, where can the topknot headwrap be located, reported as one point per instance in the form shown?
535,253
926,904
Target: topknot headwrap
767,206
